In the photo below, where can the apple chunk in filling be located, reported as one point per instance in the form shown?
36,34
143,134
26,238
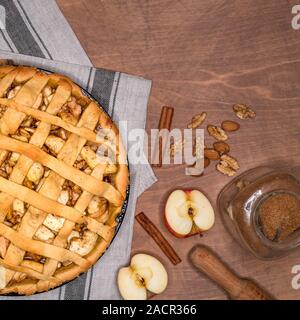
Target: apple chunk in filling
188,212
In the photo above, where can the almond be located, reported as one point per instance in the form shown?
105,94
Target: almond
211,154
221,147
230,126
206,162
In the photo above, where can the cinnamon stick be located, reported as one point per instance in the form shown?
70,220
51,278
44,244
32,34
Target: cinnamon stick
163,116
165,122
156,235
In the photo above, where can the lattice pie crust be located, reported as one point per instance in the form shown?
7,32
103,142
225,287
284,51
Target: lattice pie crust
58,200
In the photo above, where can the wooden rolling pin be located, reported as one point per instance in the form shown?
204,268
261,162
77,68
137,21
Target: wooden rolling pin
237,288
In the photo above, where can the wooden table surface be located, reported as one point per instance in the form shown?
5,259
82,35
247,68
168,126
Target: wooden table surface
206,56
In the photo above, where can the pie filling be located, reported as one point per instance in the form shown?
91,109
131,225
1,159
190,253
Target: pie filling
56,232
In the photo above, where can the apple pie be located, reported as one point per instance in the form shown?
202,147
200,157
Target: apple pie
59,198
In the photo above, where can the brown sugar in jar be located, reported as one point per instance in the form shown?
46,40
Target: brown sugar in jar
279,216
261,210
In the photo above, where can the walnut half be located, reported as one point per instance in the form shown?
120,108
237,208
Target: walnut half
228,165
243,111
197,120
217,132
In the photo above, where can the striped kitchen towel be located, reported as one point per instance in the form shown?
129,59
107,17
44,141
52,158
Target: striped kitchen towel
34,32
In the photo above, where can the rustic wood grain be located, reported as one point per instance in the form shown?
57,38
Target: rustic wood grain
205,56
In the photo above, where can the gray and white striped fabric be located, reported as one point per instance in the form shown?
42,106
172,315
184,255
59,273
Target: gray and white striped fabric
36,33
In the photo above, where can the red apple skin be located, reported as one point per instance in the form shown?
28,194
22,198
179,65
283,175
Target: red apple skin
188,191
178,235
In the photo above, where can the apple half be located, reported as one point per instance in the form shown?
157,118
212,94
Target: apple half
188,212
144,273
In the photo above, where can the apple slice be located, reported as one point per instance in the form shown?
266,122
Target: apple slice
188,212
144,273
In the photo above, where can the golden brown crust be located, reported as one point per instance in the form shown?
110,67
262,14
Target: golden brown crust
83,180
41,202
39,277
29,271
41,248
54,120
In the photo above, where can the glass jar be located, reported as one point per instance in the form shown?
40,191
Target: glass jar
240,204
